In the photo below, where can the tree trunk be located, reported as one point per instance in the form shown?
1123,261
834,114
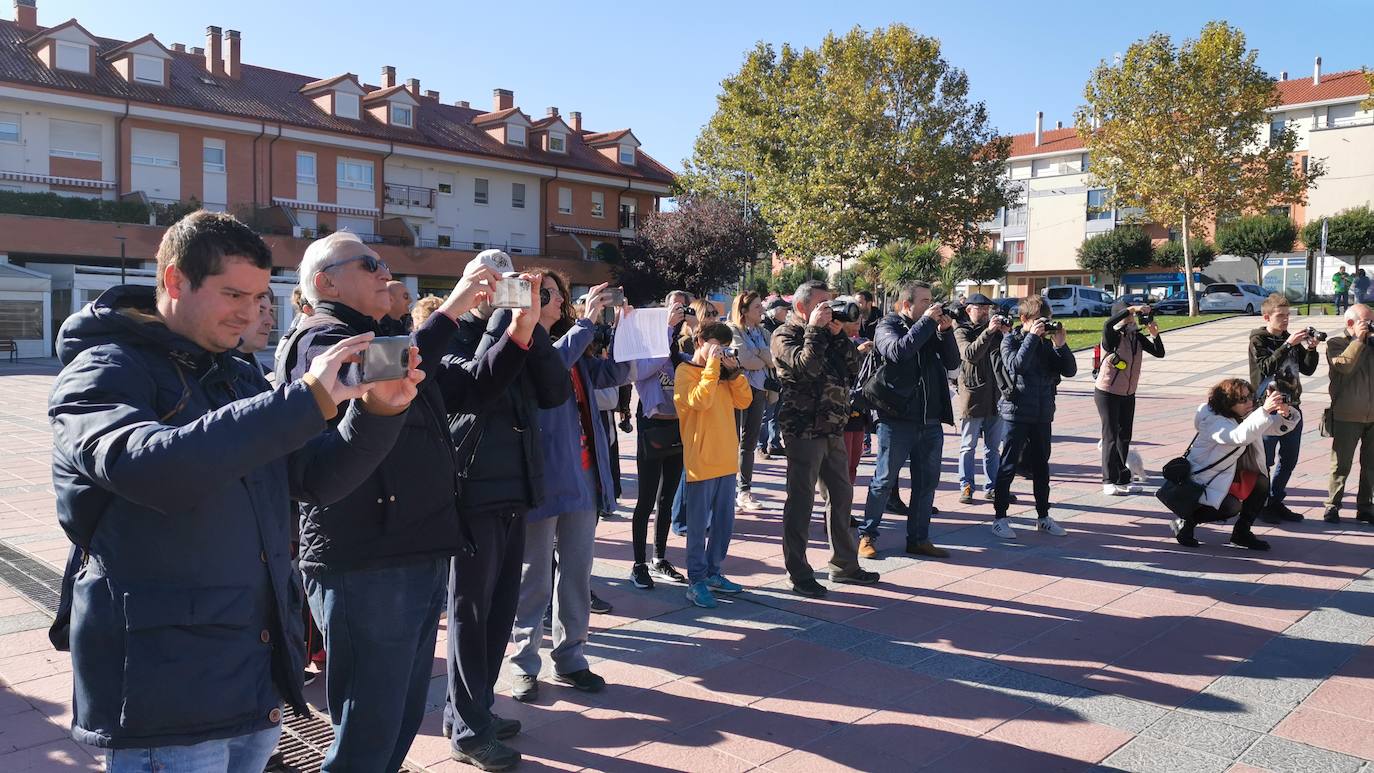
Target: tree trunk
1188,270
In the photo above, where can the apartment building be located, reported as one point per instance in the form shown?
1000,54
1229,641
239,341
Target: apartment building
153,126
1057,206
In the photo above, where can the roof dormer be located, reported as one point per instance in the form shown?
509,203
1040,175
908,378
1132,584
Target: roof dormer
144,61
68,46
508,127
340,96
394,105
620,146
550,134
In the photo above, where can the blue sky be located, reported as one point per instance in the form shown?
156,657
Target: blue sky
656,67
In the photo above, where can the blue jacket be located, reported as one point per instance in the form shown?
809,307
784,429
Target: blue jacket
565,482
917,358
177,467
1038,366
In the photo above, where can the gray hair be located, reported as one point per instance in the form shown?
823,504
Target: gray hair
908,291
313,262
807,290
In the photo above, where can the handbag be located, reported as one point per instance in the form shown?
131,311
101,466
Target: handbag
1180,492
661,437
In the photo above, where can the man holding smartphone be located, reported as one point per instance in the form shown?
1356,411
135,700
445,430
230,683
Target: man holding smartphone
376,564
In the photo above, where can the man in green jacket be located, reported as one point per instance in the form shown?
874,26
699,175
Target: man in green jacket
1352,413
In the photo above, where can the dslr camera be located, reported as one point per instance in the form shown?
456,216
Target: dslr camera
1144,319
1051,325
1002,319
1316,335
843,309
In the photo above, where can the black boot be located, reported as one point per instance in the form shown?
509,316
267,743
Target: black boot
1243,537
1183,532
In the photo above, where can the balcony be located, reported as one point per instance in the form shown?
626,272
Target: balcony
629,221
409,199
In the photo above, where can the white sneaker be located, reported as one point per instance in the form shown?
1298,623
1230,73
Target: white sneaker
1134,488
1113,490
746,501
1001,528
1048,524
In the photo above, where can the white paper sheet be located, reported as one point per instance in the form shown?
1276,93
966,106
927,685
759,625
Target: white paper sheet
641,335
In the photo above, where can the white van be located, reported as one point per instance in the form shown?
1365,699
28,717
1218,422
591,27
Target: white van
1078,301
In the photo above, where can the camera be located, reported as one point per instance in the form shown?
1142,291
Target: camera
1315,334
843,309
1144,319
1002,320
1051,325
688,311
730,351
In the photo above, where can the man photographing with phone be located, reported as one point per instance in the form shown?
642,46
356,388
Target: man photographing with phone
376,564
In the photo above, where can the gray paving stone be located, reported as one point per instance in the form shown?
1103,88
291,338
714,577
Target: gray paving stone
1124,713
898,653
773,619
835,635
24,621
1314,627
1281,691
1299,656
1030,687
1143,754
1284,756
1220,703
1202,734
948,665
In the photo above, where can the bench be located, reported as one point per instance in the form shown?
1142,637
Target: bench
8,345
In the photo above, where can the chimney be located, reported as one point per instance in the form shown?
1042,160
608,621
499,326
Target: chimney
26,14
388,77
462,103
575,120
213,61
1039,127
1283,75
413,86
1317,71
198,51
553,112
1058,124
180,48
502,99
231,53
432,94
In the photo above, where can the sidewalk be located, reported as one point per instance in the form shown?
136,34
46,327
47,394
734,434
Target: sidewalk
1110,648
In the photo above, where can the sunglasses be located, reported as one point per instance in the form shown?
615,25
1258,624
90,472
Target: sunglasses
370,264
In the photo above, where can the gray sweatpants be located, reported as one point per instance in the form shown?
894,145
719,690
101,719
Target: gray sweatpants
823,459
569,588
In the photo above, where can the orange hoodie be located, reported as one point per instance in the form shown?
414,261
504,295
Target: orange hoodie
706,409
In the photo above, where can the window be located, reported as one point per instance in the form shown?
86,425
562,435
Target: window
1083,163
212,156
1275,129
148,69
480,237
627,155
515,134
362,226
1017,215
517,195
445,184
598,204
445,236
305,168
1016,251
1304,165
1097,205
557,142
1281,211
565,201
517,242
21,320
355,174
345,105
402,116
9,127
479,191
72,139
73,56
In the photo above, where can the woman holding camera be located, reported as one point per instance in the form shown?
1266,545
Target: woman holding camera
1124,346
1227,459
751,349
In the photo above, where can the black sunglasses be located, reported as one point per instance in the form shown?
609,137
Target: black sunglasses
370,264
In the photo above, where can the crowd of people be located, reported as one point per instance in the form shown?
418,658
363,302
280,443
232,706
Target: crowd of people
232,523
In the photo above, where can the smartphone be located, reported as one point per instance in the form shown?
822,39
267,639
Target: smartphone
386,359
615,297
511,292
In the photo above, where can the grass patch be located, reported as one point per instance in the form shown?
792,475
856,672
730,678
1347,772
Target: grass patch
1086,332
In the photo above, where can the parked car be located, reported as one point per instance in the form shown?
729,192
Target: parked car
1009,306
1136,299
1232,296
1078,301
1176,303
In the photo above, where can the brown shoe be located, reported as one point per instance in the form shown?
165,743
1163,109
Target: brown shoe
868,547
926,548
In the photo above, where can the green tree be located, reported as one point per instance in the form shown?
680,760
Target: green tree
790,277
1115,252
1257,237
1182,132
1349,234
868,138
903,260
1170,254
979,265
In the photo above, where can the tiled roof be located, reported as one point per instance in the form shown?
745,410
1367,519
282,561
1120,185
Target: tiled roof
1051,141
603,138
112,53
274,96
373,96
499,115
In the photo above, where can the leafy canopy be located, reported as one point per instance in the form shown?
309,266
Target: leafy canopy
1116,252
1349,234
701,246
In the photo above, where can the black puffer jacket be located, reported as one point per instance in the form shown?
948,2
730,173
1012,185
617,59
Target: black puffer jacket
917,357
1037,366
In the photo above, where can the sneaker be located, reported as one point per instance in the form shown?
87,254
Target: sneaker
663,570
1332,515
1364,517
1286,514
1050,526
700,595
1001,528
809,588
1113,490
524,688
868,547
1278,512
492,755
896,506
856,577
599,607
310,677
639,577
991,494
718,584
746,501
1134,488
1183,533
1248,540
582,681
503,728
966,494
926,548
934,510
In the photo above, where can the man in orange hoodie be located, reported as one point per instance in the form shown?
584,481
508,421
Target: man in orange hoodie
708,391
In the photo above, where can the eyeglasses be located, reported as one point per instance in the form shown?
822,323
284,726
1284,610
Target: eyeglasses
370,264
1244,399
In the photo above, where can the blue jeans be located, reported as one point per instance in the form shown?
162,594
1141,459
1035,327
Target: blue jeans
710,505
1288,446
240,754
770,436
1342,301
903,442
679,517
991,429
380,627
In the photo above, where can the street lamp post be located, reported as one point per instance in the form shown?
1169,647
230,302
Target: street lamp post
121,239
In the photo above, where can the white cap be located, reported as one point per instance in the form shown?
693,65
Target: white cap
495,260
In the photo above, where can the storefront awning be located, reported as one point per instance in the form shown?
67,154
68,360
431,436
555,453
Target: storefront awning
320,206
48,179
574,229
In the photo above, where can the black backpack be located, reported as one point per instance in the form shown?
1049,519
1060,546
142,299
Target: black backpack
1001,373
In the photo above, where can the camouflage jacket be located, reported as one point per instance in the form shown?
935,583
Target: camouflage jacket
816,370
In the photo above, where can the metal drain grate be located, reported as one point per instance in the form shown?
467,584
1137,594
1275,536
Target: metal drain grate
304,741
32,578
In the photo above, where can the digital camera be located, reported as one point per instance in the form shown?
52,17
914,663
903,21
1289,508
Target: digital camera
1002,320
1315,334
843,309
1051,325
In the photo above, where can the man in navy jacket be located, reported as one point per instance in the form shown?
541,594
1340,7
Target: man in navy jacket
175,465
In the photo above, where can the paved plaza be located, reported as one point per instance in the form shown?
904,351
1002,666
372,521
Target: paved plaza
1112,648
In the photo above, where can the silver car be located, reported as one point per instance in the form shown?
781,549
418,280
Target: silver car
1232,297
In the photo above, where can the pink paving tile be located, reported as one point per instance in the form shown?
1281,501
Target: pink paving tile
16,605
1242,768
813,699
756,735
1025,582
744,682
24,642
63,755
671,755
840,759
1336,732
602,732
1087,592
911,734
991,631
677,704
1053,732
802,658
975,709
872,683
1345,698
27,729
738,642
430,746
1167,689
973,590
1154,601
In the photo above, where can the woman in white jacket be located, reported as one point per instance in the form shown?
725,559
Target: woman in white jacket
1227,459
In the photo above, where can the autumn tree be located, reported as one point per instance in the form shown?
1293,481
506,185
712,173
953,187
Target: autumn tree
1116,252
1182,132
701,246
1257,237
1169,254
1349,234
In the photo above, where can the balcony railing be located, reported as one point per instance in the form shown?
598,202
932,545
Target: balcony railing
629,220
450,244
410,196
